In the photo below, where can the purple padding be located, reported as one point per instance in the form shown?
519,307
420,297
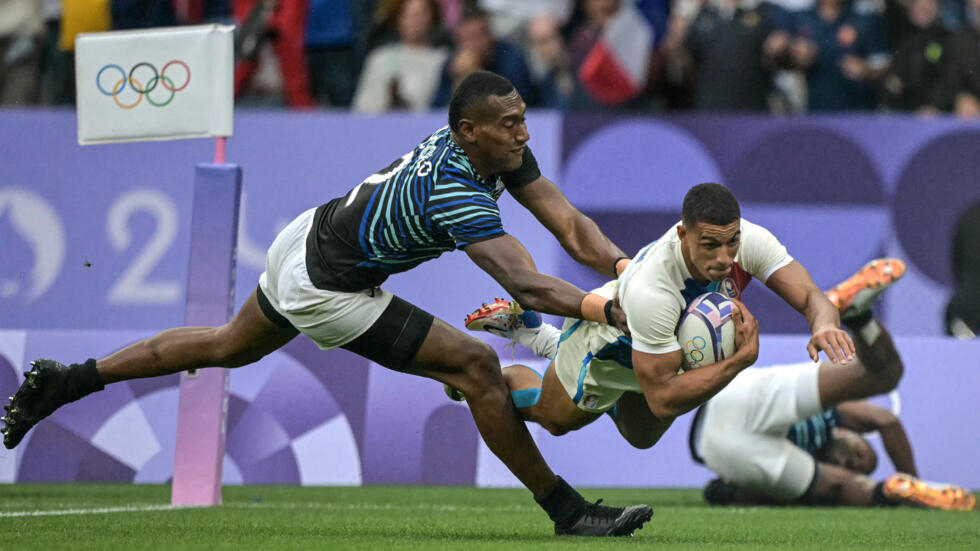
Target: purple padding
449,447
210,289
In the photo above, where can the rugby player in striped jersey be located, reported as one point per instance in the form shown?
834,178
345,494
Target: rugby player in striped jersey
323,276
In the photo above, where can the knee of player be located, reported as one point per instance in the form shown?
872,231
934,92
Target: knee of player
480,361
642,442
555,429
887,379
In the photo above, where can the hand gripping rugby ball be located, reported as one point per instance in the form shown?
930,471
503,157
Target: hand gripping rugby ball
706,331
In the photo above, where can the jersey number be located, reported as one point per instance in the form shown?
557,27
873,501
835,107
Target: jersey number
380,176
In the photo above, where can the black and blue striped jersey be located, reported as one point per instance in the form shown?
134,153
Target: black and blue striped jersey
813,433
428,202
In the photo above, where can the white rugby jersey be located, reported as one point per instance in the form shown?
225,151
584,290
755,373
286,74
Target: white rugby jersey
657,287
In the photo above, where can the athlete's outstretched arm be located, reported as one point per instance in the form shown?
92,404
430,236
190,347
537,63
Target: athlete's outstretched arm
577,233
793,283
862,416
508,262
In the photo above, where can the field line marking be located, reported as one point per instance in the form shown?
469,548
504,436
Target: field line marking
94,511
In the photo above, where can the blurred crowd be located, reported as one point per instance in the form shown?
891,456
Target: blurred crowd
373,56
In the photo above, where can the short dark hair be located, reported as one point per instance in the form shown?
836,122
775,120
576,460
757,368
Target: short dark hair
711,204
474,90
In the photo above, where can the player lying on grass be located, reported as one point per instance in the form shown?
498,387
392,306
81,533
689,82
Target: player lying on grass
790,434
598,368
774,435
324,273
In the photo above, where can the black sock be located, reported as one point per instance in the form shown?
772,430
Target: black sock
562,503
857,322
879,498
83,380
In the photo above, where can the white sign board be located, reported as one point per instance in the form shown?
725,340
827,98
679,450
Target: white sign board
156,84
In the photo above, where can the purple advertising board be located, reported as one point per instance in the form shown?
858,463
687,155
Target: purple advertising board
95,245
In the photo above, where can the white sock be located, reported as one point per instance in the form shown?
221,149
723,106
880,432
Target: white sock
543,341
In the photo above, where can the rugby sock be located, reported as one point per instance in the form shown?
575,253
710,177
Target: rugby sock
562,503
879,498
864,326
83,379
543,341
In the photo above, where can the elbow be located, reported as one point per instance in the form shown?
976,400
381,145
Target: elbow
662,408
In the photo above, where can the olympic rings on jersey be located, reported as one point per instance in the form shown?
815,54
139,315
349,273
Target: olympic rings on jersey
159,77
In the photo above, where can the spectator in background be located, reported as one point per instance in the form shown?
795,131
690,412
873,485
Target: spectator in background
735,46
330,51
77,16
57,77
404,74
20,29
550,62
966,74
921,75
586,29
510,18
477,49
142,14
281,23
963,310
843,54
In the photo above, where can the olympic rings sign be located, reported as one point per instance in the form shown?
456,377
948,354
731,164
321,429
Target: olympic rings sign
158,78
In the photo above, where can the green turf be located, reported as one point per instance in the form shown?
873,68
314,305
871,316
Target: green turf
405,517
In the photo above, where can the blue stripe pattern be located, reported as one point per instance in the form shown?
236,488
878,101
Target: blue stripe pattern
813,433
433,203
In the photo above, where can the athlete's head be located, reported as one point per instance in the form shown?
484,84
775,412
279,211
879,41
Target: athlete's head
849,450
486,115
710,231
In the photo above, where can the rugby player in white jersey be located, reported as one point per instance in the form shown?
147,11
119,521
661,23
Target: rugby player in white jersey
783,434
638,377
791,433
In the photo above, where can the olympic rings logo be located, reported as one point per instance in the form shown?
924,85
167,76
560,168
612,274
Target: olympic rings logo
693,348
158,78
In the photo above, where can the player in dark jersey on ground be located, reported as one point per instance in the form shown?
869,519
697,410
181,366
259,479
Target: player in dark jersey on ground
322,276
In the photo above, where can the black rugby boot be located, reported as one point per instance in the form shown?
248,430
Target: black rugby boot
46,387
600,520
719,492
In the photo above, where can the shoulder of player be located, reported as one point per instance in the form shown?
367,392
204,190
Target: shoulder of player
752,232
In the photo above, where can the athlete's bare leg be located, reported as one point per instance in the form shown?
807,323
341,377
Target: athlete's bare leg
876,370
245,339
470,365
839,486
554,410
49,385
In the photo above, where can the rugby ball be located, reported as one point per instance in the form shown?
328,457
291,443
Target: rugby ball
706,331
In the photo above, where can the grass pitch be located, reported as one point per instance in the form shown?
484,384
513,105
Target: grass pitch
87,516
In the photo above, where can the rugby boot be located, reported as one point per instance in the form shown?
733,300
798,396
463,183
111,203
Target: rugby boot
46,387
503,318
856,294
600,520
719,492
908,489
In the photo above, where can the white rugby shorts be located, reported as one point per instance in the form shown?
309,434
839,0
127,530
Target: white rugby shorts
742,434
329,318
